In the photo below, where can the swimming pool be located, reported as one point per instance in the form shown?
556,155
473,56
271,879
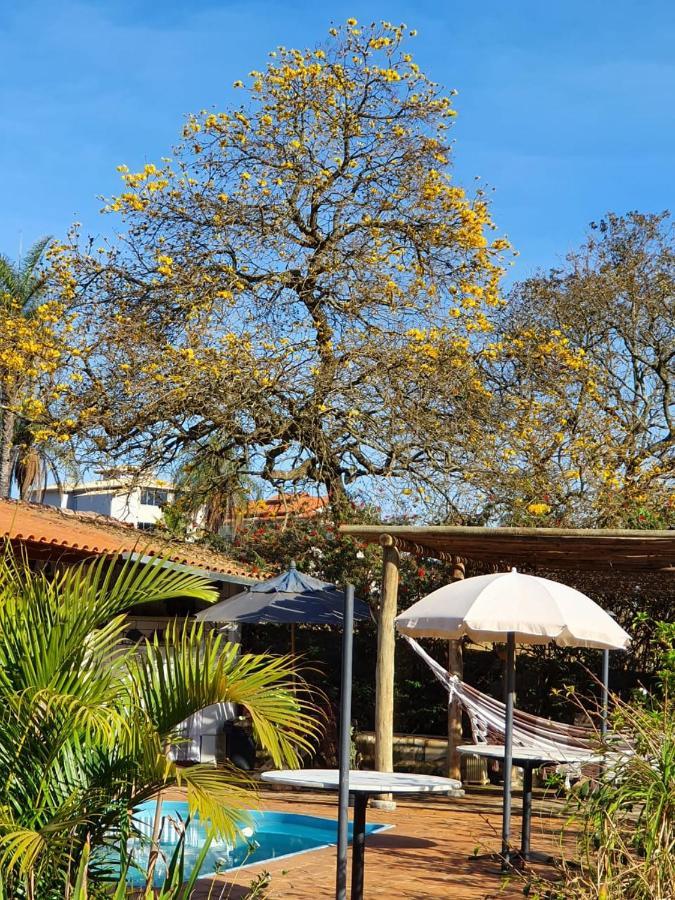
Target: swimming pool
270,835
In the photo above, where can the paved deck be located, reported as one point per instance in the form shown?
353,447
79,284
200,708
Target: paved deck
426,855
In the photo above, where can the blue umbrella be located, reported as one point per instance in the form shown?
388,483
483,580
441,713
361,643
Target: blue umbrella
291,598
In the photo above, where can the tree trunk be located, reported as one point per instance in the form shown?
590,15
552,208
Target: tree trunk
455,667
6,444
153,854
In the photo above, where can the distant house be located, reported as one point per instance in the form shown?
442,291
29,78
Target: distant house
279,508
138,502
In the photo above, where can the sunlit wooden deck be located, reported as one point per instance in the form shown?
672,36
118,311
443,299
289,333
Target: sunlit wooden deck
426,855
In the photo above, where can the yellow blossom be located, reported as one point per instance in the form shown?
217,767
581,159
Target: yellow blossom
538,509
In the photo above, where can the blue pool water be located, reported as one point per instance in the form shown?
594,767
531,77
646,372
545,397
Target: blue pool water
268,835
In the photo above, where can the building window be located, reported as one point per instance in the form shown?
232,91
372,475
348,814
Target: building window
146,526
154,497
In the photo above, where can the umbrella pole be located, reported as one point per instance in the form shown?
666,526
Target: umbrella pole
508,744
345,744
605,693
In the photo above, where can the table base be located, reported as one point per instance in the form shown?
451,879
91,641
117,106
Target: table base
359,844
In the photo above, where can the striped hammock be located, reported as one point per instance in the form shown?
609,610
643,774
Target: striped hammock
487,716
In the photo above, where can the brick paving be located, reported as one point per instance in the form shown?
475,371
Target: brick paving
426,855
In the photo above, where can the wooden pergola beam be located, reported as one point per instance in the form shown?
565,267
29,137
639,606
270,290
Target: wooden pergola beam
574,548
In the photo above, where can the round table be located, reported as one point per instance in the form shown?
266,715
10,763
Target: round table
362,785
528,759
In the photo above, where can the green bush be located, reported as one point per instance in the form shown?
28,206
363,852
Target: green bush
624,823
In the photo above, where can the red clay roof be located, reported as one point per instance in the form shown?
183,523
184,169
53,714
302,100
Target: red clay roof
302,506
88,534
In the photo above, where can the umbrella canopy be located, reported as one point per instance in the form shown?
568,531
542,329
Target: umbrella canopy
509,607
537,610
291,598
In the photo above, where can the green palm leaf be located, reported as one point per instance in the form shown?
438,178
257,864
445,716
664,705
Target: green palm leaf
85,724
192,668
24,283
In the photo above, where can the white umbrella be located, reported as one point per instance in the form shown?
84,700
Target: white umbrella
506,607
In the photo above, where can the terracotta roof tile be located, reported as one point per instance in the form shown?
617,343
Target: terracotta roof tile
302,506
92,534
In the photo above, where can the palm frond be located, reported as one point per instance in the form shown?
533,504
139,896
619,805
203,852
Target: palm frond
24,282
20,848
220,797
34,255
112,586
85,724
33,280
191,669
9,278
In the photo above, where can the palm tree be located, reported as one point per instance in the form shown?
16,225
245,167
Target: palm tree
31,463
23,285
86,723
211,487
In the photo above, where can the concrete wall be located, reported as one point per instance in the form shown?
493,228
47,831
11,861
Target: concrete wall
125,506
427,754
424,754
97,503
54,497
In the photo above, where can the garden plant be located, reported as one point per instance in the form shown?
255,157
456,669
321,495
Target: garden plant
86,722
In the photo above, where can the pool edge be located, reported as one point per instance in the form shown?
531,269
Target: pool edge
376,830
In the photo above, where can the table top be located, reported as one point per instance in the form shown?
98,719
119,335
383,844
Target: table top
532,755
363,781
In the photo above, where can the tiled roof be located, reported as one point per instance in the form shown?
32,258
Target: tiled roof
301,506
89,534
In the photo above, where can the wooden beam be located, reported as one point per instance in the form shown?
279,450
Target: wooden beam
455,667
613,550
481,531
384,672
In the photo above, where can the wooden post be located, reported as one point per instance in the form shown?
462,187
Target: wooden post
455,667
384,672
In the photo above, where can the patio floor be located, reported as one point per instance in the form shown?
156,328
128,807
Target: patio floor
426,855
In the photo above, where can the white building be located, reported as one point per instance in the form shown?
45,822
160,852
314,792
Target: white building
138,502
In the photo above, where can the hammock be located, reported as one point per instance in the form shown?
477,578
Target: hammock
487,716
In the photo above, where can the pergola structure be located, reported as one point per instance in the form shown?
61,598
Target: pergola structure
608,551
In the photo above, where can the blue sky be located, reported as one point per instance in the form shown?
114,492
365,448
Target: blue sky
565,108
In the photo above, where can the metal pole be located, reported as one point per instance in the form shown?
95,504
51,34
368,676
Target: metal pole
345,744
527,812
359,844
605,693
508,743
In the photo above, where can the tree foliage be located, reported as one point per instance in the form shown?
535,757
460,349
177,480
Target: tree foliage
303,290
302,281
588,439
210,492
34,329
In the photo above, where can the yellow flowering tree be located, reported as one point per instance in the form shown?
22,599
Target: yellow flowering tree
303,282
32,345
585,382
